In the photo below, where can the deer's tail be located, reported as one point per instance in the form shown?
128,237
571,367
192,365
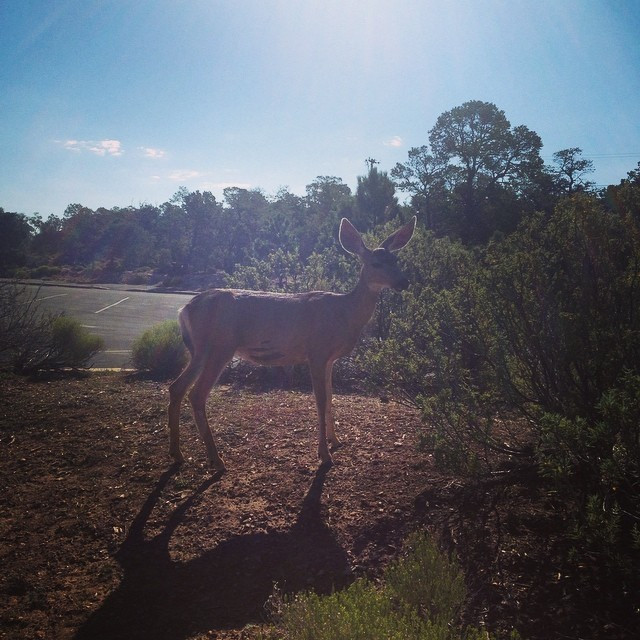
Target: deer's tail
185,328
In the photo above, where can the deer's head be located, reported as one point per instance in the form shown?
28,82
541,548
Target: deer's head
380,268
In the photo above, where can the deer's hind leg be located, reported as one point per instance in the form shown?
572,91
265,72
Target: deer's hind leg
198,398
177,390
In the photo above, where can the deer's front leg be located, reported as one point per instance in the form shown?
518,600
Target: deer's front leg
332,439
321,379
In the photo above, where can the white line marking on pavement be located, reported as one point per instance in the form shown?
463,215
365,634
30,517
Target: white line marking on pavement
117,351
111,305
58,295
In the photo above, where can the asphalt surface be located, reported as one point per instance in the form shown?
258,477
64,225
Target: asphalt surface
117,314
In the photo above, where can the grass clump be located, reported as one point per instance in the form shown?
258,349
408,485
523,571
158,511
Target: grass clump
421,596
160,351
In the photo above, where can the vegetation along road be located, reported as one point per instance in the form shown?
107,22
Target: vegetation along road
118,315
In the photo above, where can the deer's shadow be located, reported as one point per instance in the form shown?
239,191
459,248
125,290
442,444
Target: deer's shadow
225,587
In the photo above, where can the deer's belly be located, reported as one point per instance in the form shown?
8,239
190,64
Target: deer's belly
271,355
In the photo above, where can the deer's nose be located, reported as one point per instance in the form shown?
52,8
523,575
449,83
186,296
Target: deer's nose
401,284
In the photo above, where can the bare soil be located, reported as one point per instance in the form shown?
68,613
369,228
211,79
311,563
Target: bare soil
101,537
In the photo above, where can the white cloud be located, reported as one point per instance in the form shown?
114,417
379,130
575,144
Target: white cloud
151,152
180,175
110,147
72,145
100,147
396,141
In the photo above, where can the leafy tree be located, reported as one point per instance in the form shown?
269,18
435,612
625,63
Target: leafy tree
202,215
191,233
328,200
486,160
484,168
14,240
595,463
125,243
81,235
280,220
45,245
376,201
423,177
624,199
570,170
241,222
175,237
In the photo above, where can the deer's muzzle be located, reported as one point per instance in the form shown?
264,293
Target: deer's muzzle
401,284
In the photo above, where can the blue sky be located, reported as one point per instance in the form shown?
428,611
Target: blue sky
119,102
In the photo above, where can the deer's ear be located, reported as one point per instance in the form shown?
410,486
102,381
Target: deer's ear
350,238
401,237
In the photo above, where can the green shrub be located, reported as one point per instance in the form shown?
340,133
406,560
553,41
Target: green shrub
420,599
52,343
20,273
139,276
160,350
360,612
595,464
427,581
45,271
285,272
541,321
73,345
31,340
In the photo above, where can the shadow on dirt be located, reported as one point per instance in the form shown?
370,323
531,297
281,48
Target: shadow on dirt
226,587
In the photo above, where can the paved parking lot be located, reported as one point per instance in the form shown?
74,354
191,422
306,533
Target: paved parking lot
118,315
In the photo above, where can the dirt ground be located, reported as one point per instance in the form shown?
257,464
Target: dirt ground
101,537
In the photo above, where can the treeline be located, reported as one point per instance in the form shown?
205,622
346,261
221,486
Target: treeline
477,177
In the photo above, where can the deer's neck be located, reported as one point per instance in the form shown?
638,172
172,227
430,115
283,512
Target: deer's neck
364,302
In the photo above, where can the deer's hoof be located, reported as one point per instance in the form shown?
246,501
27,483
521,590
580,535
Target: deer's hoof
178,458
217,466
326,465
325,457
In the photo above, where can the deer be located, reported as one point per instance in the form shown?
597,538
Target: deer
277,329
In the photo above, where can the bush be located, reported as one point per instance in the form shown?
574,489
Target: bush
21,322
360,612
45,271
31,340
160,350
71,345
139,276
595,463
285,272
420,599
58,343
541,321
427,581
